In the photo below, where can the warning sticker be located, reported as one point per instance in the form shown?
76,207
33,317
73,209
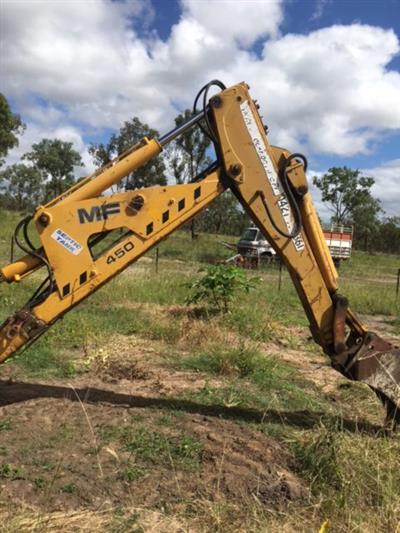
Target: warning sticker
270,172
68,242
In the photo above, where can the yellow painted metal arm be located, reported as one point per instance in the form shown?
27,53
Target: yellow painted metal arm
90,187
146,216
253,171
271,185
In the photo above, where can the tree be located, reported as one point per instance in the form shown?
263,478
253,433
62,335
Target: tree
23,186
55,160
345,190
366,222
10,126
224,216
188,154
152,173
387,238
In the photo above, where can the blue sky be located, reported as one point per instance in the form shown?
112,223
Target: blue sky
304,16
326,72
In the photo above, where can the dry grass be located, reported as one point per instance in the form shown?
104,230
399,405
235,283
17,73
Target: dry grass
137,334
136,519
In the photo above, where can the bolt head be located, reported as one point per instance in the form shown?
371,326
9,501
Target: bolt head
136,204
235,169
44,219
302,190
216,101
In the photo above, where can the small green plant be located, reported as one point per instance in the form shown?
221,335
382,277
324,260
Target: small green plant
131,473
5,425
8,471
220,285
70,488
39,482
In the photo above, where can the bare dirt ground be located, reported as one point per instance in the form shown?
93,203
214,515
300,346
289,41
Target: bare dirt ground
67,449
315,367
55,459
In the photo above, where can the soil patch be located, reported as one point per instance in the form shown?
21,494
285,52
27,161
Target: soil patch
60,455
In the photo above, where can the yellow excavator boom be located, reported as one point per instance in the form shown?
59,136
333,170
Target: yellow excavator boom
79,254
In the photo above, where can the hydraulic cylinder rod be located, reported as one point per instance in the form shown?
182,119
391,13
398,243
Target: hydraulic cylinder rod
100,181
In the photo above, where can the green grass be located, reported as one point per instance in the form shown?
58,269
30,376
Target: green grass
256,380
206,248
139,302
70,488
8,471
156,448
5,424
356,478
369,282
149,448
370,265
371,298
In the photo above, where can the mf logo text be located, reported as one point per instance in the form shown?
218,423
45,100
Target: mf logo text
98,212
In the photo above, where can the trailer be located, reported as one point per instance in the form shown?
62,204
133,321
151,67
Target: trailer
339,239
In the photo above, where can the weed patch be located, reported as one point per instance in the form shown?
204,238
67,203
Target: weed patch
159,449
45,361
152,448
5,425
8,471
353,476
272,383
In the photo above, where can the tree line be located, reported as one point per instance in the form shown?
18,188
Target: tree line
347,194
50,166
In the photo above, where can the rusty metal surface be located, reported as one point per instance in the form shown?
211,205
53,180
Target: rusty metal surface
339,323
21,329
376,362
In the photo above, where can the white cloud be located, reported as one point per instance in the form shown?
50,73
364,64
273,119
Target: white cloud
387,185
320,6
242,21
84,55
329,91
331,86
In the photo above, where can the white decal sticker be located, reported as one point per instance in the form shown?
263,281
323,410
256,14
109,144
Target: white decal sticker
270,172
260,147
68,242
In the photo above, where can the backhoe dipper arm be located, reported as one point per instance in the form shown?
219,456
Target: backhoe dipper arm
270,184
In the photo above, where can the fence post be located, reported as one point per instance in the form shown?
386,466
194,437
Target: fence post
398,283
280,276
12,250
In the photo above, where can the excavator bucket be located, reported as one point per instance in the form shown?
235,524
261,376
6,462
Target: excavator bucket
377,363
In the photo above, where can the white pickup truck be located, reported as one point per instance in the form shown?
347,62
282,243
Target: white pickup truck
252,244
